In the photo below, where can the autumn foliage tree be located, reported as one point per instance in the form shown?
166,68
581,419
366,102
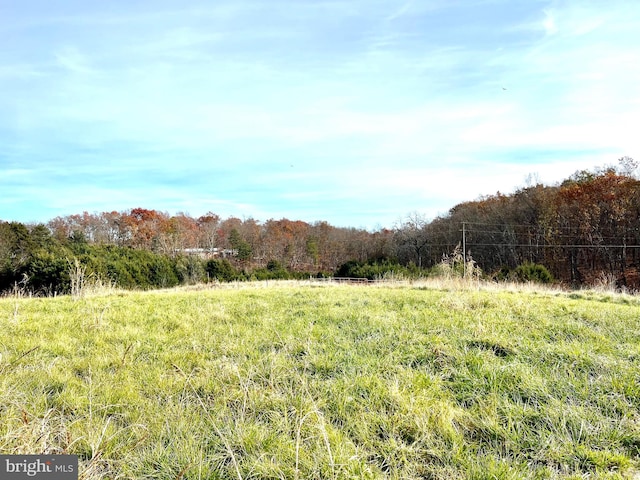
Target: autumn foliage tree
582,229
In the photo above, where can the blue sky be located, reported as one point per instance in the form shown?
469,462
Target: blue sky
356,112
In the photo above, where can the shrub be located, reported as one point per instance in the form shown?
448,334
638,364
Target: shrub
190,269
48,273
532,272
376,269
222,271
162,272
131,268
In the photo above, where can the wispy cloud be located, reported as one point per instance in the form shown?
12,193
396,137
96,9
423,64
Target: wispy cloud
71,60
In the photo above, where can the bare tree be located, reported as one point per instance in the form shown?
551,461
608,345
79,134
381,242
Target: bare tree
411,237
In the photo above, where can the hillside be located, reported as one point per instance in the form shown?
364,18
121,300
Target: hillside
310,381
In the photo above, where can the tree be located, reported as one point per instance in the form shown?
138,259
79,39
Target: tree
208,225
176,234
412,239
627,166
241,246
145,227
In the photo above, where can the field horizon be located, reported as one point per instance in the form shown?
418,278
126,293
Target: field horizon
297,380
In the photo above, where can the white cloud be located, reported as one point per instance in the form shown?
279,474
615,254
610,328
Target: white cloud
72,60
404,9
549,23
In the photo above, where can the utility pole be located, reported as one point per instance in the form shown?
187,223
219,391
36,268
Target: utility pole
464,249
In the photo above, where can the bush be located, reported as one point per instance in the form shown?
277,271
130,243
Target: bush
375,270
131,268
190,269
222,271
526,272
162,272
532,272
48,273
274,271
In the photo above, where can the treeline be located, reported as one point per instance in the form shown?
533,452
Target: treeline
296,245
585,230
33,261
142,248
580,231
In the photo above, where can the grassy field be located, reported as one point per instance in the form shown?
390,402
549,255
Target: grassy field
309,382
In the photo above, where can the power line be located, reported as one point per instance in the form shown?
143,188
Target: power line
551,227
547,245
473,234
543,233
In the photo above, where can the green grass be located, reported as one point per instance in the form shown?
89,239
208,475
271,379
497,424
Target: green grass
337,382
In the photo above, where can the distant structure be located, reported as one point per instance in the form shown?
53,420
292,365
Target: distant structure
209,253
